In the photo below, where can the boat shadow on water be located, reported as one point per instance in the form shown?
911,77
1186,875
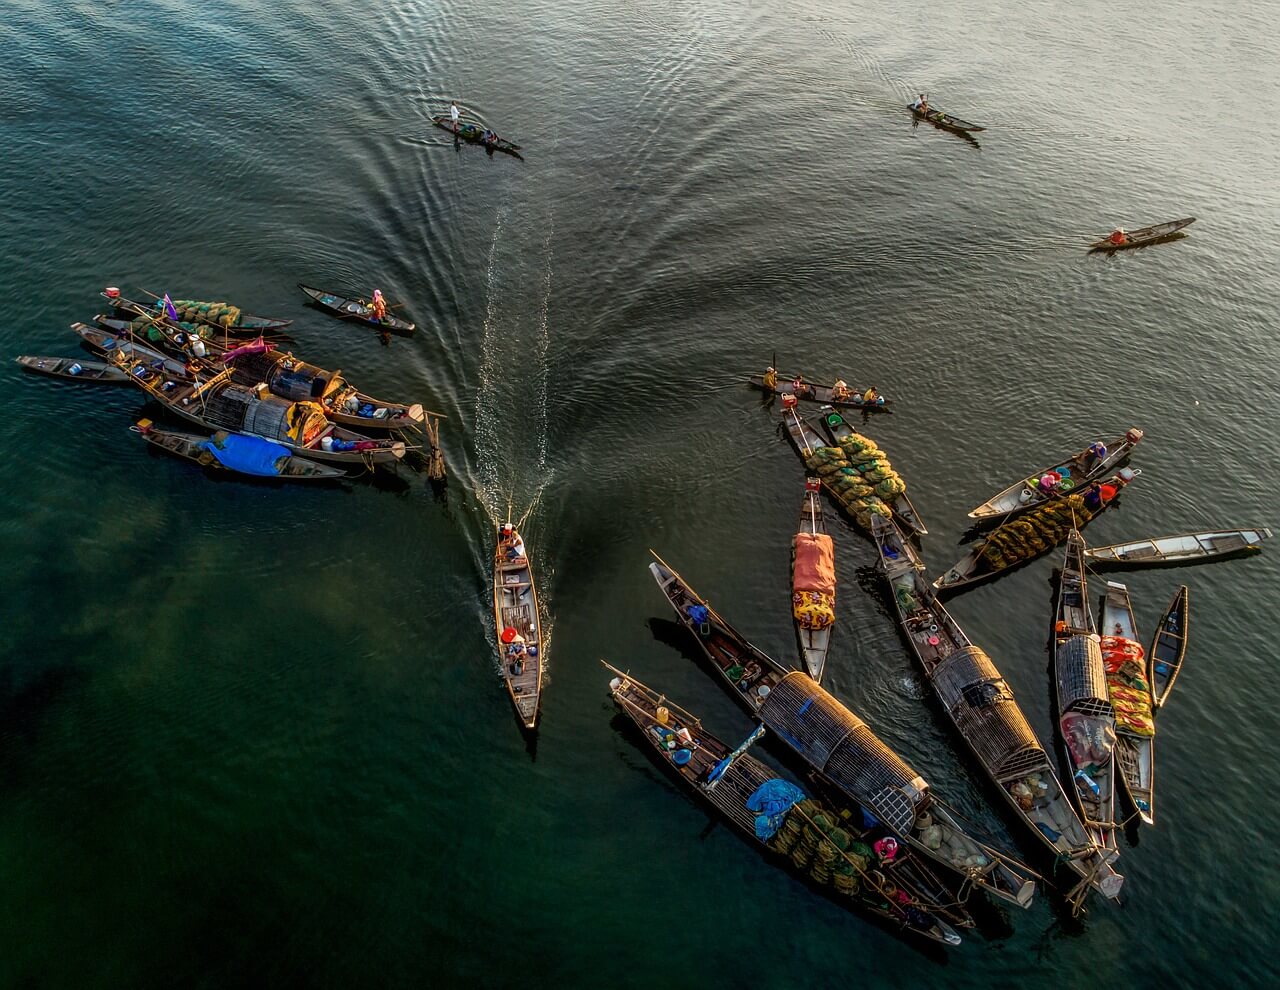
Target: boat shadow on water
962,135
774,861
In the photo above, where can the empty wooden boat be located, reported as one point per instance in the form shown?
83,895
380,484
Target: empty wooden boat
808,839
1185,548
1130,693
521,646
1063,477
75,369
1169,647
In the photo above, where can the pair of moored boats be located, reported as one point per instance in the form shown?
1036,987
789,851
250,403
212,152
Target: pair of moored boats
1107,696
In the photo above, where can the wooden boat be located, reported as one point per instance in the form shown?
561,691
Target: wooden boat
356,309
840,747
1171,551
75,369
284,374
1072,471
834,425
1086,720
221,316
1131,698
1144,236
515,607
728,779
945,120
1031,535
474,134
225,451
813,582
108,344
983,710
212,400
1169,647
820,392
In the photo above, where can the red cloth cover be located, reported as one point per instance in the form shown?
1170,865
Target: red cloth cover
815,567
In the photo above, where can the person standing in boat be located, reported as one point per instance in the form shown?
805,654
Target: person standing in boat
770,378
455,112
1096,454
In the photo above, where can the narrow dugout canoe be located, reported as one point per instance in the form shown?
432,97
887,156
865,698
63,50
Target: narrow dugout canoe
948,122
515,606
1169,647
1073,471
474,134
356,309
216,315
75,369
821,393
1130,692
1185,548
1144,236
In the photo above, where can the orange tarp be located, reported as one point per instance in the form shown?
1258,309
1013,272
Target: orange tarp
815,567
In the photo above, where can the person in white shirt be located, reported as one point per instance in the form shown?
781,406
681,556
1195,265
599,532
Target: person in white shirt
454,111
921,104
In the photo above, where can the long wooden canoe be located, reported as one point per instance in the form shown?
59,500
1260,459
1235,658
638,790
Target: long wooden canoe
821,392
811,552
474,134
284,466
356,309
1185,548
1144,236
1018,541
189,311
1085,719
842,749
985,713
1073,471
946,121
515,606
1135,750
728,777
75,369
1169,647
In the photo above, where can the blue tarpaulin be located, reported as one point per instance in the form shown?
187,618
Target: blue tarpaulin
773,799
248,455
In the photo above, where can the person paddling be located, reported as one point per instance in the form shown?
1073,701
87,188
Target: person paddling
921,104
454,112
378,306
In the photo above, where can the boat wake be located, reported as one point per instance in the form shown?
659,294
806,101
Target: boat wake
513,397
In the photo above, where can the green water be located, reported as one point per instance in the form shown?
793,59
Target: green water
253,734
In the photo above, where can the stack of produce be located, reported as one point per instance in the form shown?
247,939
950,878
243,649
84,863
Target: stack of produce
145,327
847,484
816,843
870,462
1127,684
1036,532
221,313
813,581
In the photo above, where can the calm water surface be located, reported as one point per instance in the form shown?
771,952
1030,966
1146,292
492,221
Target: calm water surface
254,734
